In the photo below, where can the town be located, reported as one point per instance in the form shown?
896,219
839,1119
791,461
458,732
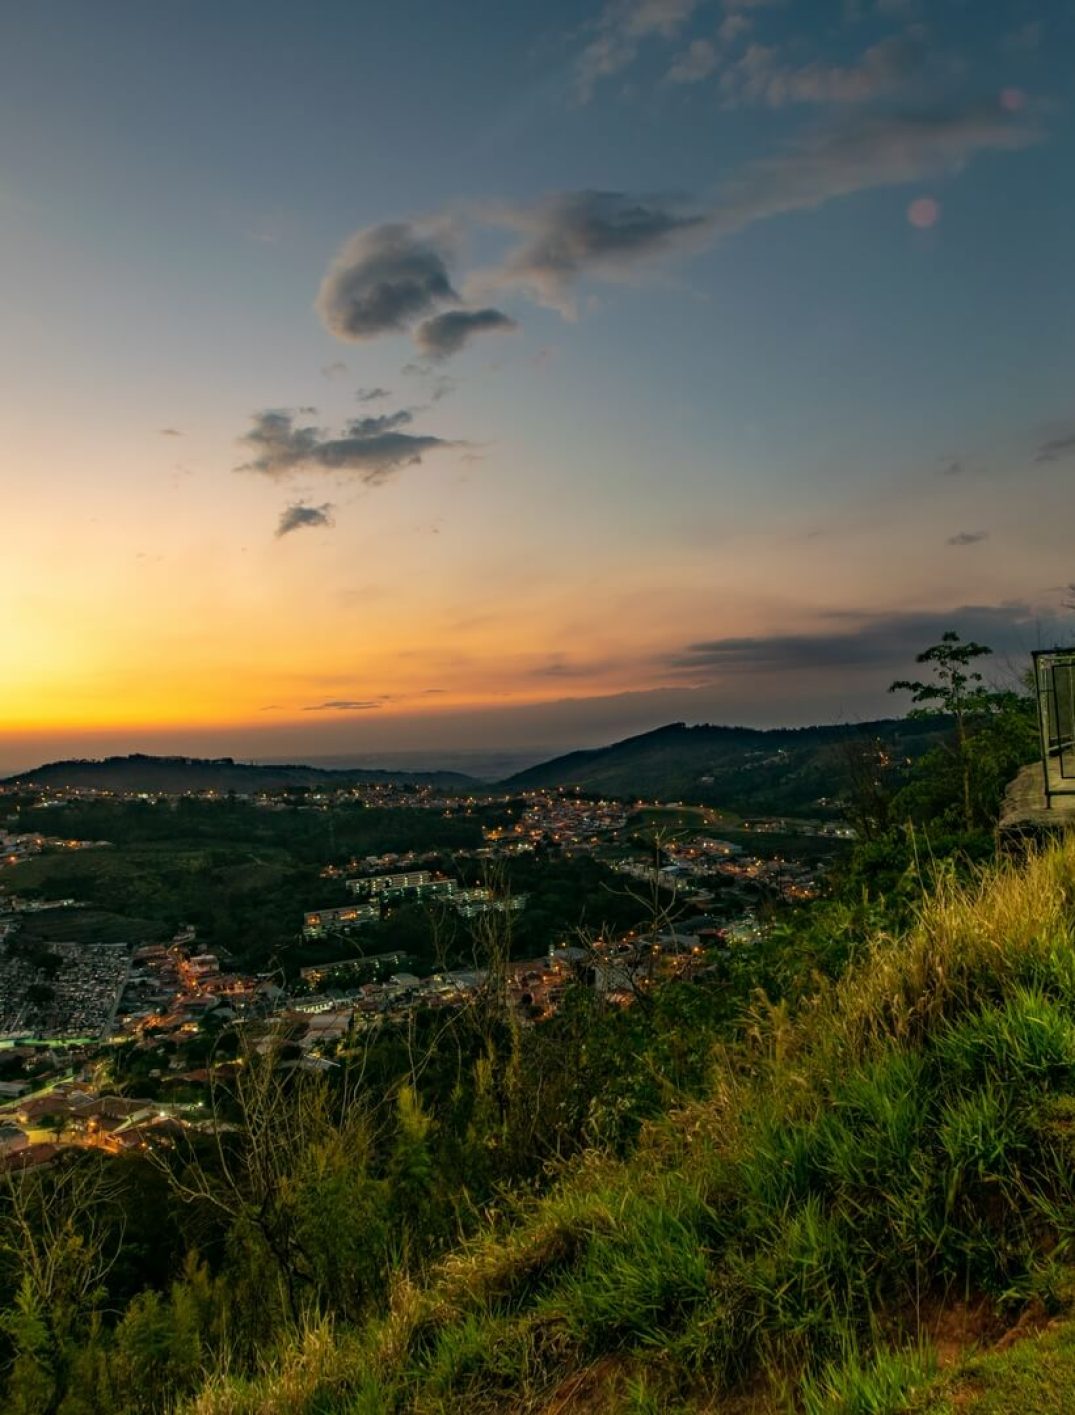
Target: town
683,886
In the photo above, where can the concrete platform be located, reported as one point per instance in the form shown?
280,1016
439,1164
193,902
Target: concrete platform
1024,811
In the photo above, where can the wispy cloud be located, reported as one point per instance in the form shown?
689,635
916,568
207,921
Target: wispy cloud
1025,39
300,516
435,385
623,27
170,432
1056,448
612,235
559,667
609,234
871,151
373,448
445,334
967,538
862,640
762,76
371,395
342,705
393,277
696,63
703,57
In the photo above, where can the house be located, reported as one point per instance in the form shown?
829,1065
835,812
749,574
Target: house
29,1158
11,1139
38,1110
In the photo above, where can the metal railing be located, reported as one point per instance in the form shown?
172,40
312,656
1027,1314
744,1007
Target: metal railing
1054,683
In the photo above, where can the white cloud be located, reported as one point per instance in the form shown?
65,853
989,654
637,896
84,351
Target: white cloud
622,29
760,76
696,62
876,150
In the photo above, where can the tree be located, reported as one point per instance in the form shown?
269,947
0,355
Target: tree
58,1238
287,1172
867,770
956,690
410,1171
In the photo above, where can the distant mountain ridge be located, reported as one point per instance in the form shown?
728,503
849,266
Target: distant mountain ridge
778,770
140,772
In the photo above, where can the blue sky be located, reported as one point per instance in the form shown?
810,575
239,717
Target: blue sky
742,325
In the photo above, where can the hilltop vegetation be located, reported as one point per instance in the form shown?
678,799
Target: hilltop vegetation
796,1202
241,875
896,1154
244,878
173,775
741,769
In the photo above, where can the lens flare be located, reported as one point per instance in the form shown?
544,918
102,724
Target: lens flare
924,212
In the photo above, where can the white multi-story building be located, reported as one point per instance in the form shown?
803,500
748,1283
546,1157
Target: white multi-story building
416,882
321,921
470,903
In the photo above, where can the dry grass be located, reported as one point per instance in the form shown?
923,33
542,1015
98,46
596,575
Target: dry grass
316,1364
1013,917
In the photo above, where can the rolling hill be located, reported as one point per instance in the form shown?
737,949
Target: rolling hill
740,768
744,769
175,775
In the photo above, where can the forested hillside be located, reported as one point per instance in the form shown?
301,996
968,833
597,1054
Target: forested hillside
794,770
175,775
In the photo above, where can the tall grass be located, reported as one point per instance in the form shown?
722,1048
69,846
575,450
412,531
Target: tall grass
905,1138
882,1384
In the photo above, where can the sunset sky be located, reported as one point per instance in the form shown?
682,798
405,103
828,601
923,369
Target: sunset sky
463,376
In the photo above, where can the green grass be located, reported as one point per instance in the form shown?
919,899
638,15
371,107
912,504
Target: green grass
89,926
904,1144
1034,1376
245,899
52,874
885,1383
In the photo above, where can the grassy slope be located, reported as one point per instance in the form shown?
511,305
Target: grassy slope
89,926
903,1150
1033,1377
245,899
